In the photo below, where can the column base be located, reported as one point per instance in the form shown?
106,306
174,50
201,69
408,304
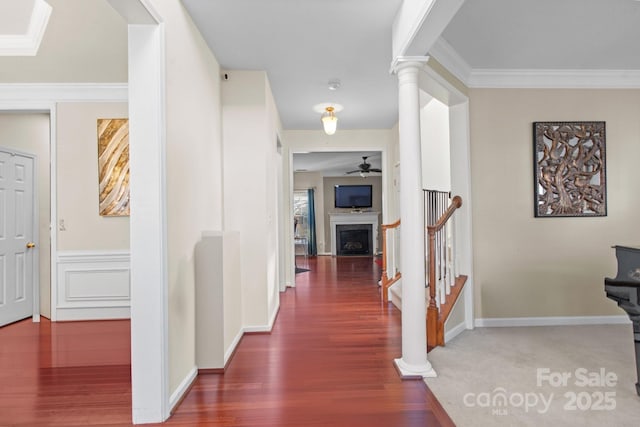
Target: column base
410,372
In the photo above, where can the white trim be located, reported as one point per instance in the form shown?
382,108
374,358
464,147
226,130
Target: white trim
551,321
531,78
93,313
50,108
450,59
120,255
409,371
183,387
455,331
53,215
232,347
148,225
362,218
93,285
264,328
64,92
27,44
539,79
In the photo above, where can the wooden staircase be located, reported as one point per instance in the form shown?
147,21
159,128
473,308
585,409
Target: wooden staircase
436,327
437,314
442,294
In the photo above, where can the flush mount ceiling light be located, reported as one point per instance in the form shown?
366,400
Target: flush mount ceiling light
329,121
328,117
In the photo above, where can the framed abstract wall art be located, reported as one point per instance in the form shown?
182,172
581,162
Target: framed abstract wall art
569,169
113,166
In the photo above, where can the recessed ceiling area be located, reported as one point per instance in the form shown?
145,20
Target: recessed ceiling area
547,34
23,24
336,163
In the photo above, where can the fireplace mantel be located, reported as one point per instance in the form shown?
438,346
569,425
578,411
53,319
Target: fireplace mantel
354,218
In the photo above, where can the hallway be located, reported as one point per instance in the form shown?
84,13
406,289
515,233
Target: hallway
327,362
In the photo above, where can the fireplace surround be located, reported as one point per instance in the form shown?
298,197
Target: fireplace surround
361,220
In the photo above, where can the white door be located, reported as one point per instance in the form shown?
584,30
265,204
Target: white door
17,247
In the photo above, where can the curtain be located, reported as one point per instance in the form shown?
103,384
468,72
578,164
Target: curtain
311,209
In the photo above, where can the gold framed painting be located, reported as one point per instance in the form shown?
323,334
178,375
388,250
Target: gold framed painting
113,167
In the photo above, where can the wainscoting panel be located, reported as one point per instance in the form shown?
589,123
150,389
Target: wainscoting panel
93,285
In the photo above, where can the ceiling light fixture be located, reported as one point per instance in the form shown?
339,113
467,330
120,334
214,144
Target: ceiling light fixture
329,121
328,117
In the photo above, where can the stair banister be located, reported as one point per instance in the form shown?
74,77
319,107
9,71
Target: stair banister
434,336
389,276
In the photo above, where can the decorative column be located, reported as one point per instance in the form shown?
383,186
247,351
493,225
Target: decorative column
414,361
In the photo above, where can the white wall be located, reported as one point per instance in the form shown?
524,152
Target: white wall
273,159
193,178
29,133
434,135
77,180
526,266
250,196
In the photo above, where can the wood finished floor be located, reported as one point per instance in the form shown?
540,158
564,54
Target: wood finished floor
327,362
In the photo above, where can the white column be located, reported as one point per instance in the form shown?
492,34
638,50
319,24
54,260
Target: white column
149,283
414,361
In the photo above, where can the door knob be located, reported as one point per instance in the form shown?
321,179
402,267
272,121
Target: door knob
31,245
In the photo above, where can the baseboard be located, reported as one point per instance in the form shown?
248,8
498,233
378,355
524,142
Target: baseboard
264,328
232,348
551,321
93,313
454,332
183,388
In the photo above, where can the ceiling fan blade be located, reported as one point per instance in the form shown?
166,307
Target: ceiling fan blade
375,170
352,172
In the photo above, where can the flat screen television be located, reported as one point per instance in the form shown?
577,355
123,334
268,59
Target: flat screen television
353,196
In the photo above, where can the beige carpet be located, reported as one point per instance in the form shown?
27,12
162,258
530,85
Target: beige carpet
539,376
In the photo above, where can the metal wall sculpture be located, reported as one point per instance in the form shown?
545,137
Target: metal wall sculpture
113,166
569,164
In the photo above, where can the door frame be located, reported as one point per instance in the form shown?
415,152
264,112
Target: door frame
27,105
289,251
35,107
35,226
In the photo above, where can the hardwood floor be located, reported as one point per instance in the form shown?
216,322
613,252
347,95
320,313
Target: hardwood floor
327,362
65,373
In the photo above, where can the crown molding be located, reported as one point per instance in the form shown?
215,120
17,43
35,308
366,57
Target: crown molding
450,59
29,43
63,92
554,79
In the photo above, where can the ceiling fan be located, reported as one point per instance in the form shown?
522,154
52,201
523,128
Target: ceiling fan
365,167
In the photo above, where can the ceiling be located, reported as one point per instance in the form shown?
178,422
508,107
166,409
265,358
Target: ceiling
304,44
547,34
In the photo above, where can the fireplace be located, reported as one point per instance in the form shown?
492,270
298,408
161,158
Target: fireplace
358,219
354,239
